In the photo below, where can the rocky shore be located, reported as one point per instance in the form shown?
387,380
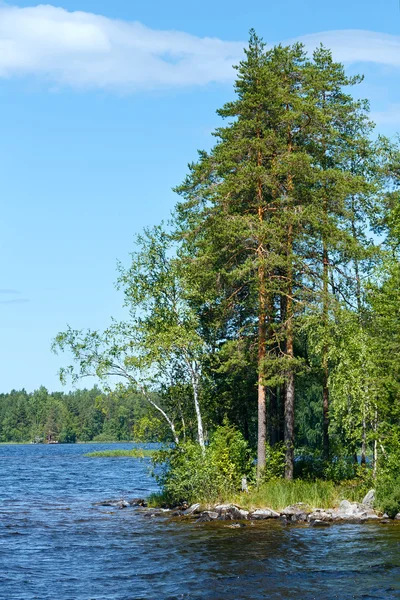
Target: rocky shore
346,512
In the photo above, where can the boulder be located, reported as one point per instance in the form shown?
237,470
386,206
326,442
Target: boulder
369,499
397,517
296,512
192,509
264,513
114,503
319,523
108,502
206,516
137,502
230,512
320,514
354,510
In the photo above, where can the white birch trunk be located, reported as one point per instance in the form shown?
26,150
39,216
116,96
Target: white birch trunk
200,432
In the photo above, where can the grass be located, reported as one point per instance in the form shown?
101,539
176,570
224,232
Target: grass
135,453
316,494
279,494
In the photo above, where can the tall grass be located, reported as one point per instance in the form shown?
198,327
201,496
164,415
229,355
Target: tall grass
135,453
279,493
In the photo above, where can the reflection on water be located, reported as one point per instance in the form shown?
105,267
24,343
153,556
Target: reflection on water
55,544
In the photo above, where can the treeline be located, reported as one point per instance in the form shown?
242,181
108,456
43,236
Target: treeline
81,415
272,298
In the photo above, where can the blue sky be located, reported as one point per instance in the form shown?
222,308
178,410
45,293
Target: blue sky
102,110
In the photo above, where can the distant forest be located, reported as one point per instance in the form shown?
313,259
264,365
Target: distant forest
81,415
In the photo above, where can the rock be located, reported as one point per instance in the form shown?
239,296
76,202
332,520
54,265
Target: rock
346,507
369,499
155,512
397,517
235,525
319,523
109,502
296,512
207,515
264,513
230,512
137,502
192,509
320,514
348,510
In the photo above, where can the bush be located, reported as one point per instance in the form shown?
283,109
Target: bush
275,462
187,474
388,480
388,497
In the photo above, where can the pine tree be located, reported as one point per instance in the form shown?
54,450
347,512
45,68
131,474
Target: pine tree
241,216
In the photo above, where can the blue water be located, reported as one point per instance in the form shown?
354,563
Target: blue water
55,544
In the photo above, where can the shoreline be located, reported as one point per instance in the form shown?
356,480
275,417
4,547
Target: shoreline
295,514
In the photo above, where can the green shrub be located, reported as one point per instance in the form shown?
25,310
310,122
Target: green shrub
388,480
388,497
186,473
275,462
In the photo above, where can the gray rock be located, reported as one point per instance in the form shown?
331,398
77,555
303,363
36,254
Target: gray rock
264,513
319,523
346,507
110,502
320,514
230,512
192,509
348,510
296,512
397,517
369,499
137,502
207,515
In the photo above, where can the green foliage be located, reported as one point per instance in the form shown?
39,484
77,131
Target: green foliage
278,494
82,415
186,473
135,453
149,429
388,480
275,462
388,496
269,277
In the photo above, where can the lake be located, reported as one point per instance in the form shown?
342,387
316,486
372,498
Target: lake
55,544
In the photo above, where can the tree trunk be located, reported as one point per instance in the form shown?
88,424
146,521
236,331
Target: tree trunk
195,385
289,426
262,425
262,334
325,351
289,397
363,444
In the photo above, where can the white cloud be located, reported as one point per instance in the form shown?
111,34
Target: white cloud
357,45
84,50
